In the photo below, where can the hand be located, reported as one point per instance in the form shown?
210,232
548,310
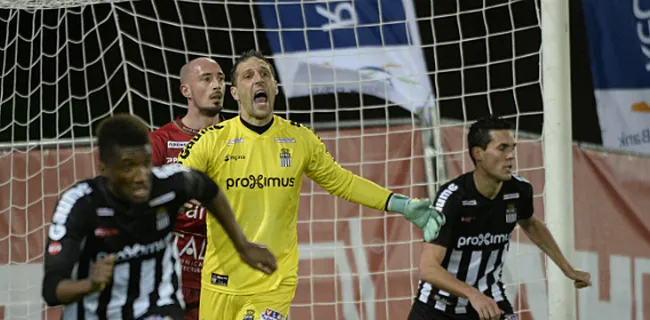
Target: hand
102,273
580,279
485,306
258,257
423,215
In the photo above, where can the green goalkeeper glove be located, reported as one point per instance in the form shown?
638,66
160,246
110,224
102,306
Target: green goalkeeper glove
420,212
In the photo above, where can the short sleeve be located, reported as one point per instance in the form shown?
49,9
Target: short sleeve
158,148
448,203
528,207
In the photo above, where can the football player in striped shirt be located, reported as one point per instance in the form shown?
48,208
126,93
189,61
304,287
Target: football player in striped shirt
460,271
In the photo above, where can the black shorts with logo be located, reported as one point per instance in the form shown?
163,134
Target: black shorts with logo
423,311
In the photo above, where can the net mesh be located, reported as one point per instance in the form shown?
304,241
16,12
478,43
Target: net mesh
65,65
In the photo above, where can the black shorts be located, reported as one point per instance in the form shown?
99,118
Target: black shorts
423,311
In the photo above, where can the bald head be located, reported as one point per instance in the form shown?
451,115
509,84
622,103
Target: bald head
195,66
203,84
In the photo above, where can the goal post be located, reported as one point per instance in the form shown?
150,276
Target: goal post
67,64
558,152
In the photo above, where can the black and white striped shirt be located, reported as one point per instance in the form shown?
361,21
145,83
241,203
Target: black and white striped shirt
477,236
89,223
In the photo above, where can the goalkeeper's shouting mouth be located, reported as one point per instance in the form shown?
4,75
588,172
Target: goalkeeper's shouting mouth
276,153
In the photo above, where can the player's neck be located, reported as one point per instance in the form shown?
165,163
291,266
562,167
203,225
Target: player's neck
256,121
486,185
199,121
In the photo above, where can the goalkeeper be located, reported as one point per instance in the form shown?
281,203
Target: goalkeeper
260,159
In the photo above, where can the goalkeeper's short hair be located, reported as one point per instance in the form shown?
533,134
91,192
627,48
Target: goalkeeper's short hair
479,133
245,56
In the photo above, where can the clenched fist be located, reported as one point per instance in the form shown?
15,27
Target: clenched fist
102,273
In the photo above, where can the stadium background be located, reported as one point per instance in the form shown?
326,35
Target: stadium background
612,231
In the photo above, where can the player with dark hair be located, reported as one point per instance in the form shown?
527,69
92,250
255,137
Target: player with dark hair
260,160
203,85
460,271
110,252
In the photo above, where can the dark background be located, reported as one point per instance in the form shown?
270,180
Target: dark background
65,70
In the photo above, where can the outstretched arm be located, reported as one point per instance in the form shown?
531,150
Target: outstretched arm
344,184
539,234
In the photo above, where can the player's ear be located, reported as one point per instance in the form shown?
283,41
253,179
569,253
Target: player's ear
277,89
477,153
186,91
234,93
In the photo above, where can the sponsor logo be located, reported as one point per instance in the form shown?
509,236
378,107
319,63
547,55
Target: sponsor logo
509,196
467,219
634,139
54,248
193,247
511,213
233,141
270,314
219,279
58,230
102,232
138,250
444,195
260,182
469,203
234,158
485,239
105,212
188,148
285,158
285,140
176,144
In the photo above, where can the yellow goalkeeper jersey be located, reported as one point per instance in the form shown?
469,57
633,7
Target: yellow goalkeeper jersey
261,175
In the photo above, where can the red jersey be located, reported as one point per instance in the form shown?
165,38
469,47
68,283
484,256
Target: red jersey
166,143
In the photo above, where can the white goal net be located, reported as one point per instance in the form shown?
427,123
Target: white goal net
66,65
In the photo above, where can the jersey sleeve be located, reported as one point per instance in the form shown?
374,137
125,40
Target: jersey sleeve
448,202
338,181
158,148
192,184
66,237
198,153
528,207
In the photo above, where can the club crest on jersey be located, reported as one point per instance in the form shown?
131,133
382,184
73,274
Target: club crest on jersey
162,219
250,315
511,213
285,158
509,317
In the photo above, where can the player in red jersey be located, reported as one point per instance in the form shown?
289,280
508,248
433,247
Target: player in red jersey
203,84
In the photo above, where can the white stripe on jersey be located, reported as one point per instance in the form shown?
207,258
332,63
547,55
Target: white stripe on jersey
166,288
147,286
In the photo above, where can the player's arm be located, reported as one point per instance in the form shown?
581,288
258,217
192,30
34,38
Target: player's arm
539,234
158,146
200,187
62,251
433,254
344,184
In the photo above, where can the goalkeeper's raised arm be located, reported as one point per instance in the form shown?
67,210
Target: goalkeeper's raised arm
327,173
